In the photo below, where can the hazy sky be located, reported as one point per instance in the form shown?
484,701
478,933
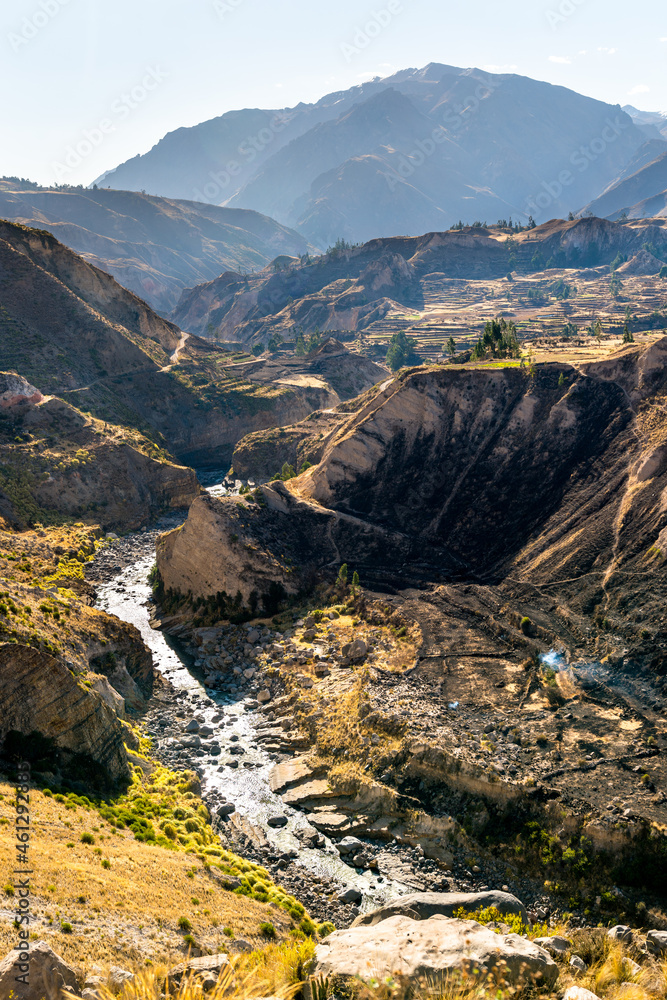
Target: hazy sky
113,77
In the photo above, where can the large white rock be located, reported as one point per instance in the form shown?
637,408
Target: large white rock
47,973
433,947
579,993
421,905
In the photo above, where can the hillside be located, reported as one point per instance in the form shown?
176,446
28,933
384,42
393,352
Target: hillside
510,521
155,247
433,286
413,152
72,332
642,195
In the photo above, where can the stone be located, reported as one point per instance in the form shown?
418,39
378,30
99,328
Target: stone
350,895
355,651
47,973
192,727
579,993
226,809
348,845
656,942
212,964
430,949
275,822
554,945
119,977
253,637
578,963
422,905
620,932
264,696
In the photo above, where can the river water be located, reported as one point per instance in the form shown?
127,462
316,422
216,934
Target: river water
128,596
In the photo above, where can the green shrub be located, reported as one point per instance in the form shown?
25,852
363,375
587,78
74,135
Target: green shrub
184,924
87,838
268,930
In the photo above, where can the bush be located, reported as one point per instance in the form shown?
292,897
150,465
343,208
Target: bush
87,838
9,890
325,929
526,626
184,924
268,930
66,928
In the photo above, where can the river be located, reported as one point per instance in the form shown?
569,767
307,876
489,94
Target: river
127,595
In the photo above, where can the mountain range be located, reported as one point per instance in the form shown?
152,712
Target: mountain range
411,153
156,247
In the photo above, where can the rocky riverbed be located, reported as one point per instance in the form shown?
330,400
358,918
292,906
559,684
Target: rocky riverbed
223,711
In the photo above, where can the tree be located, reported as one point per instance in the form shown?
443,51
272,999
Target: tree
615,286
499,340
627,334
561,380
598,330
300,349
257,350
355,582
451,347
401,352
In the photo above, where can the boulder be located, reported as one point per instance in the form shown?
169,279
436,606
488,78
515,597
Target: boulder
264,697
46,972
276,822
656,942
206,966
350,895
422,905
620,933
579,993
430,948
355,651
119,977
554,945
349,845
578,963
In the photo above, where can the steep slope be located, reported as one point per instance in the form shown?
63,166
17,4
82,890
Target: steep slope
451,144
642,195
450,475
71,331
153,246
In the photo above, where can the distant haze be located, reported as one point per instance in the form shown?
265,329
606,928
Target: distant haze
109,80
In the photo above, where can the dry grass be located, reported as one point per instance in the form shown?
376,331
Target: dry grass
128,912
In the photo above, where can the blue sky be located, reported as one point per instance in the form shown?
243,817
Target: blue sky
122,73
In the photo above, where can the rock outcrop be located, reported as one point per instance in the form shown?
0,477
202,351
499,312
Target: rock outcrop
446,475
422,905
433,948
39,694
36,972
